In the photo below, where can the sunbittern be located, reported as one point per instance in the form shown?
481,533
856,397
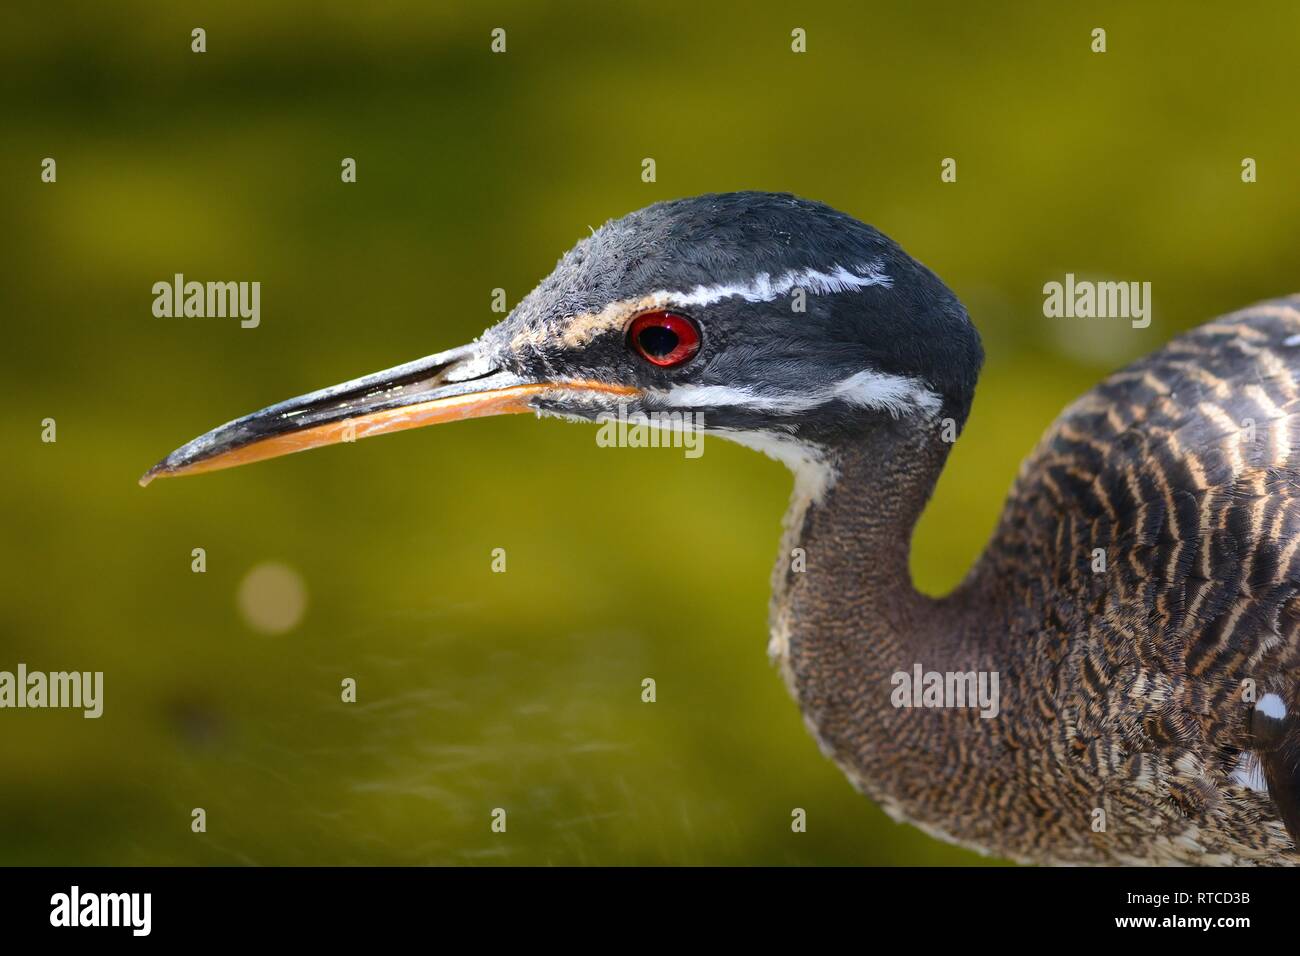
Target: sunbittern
1139,601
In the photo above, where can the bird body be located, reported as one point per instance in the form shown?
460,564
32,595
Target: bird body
1132,630
1128,736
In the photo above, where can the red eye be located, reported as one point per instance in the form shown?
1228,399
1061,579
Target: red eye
664,338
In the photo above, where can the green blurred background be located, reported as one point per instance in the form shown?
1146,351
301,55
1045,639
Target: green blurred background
475,171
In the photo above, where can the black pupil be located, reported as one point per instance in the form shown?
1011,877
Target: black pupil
657,340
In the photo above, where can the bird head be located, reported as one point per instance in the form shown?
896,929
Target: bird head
776,321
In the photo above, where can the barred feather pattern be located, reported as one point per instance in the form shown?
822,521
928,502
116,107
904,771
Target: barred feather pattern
1140,594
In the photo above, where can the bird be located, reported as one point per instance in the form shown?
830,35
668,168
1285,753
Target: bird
1133,623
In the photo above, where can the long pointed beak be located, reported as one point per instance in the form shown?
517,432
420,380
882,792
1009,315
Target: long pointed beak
449,386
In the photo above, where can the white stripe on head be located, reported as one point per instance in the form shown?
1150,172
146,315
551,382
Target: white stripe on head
895,394
580,329
763,288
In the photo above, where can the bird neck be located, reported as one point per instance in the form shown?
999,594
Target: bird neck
848,619
843,585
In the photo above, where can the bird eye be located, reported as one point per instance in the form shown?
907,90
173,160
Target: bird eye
664,338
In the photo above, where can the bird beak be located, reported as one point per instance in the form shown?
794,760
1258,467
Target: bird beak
450,386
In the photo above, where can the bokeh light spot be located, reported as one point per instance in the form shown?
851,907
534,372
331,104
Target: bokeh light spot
272,598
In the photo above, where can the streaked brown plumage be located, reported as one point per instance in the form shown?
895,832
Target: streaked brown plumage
1122,691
